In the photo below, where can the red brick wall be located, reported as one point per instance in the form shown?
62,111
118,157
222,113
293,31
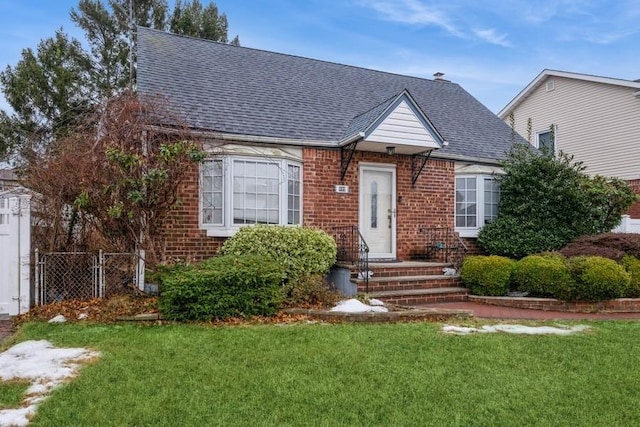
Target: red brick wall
429,204
183,238
634,210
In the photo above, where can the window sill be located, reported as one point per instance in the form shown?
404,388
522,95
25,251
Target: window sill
467,232
220,232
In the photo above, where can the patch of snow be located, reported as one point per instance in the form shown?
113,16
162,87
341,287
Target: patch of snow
377,302
518,293
449,271
365,275
58,319
354,306
516,329
45,366
82,316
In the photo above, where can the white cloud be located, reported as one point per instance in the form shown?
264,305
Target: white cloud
491,36
413,12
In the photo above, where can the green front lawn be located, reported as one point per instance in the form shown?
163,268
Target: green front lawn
332,375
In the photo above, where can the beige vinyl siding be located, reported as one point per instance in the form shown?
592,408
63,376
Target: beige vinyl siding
598,123
402,127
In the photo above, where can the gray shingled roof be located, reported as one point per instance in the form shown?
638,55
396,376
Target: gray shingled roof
237,90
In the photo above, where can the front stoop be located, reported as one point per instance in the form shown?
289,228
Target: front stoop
412,283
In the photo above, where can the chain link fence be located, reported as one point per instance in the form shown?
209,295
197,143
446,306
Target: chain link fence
62,276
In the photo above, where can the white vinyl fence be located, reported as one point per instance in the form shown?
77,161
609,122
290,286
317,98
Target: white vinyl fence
15,249
628,225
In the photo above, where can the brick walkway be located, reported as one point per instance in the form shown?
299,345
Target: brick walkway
486,311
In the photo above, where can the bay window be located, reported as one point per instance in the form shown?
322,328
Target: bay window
238,191
477,199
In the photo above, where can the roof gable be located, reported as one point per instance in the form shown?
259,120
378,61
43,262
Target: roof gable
404,126
546,73
254,95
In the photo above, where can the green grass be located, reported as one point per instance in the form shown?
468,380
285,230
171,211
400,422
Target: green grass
12,393
351,375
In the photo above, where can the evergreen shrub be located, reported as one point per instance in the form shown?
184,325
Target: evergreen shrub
544,276
487,275
222,287
597,279
302,251
632,265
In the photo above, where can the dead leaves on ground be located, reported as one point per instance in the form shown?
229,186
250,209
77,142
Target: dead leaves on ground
108,310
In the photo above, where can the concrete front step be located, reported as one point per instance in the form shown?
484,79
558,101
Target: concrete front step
377,284
413,297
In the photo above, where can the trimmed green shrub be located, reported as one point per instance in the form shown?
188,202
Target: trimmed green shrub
632,265
301,251
310,291
498,237
543,276
487,275
597,279
222,287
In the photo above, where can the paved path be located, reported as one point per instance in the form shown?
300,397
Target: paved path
487,311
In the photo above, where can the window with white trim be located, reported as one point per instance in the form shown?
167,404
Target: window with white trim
238,191
477,199
546,140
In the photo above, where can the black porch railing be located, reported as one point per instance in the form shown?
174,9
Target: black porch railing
352,248
444,244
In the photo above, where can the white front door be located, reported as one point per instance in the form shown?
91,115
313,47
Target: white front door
378,209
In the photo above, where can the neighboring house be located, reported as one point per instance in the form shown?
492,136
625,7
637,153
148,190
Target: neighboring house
8,179
298,141
596,119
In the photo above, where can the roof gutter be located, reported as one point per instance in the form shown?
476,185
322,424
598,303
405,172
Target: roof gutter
445,156
250,138
355,137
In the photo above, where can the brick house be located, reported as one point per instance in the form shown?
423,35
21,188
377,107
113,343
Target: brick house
298,141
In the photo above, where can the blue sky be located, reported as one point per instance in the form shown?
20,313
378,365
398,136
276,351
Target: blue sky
491,48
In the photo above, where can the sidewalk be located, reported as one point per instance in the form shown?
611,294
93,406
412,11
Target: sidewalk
486,311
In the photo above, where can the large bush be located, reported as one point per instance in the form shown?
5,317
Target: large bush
543,276
222,287
546,201
301,251
487,275
597,279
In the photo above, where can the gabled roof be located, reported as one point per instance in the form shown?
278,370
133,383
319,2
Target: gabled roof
524,93
255,95
396,122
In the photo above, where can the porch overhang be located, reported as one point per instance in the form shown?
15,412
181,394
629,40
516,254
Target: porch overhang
396,147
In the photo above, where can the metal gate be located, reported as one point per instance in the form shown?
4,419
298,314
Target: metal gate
62,276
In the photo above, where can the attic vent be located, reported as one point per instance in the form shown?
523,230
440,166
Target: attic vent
551,85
